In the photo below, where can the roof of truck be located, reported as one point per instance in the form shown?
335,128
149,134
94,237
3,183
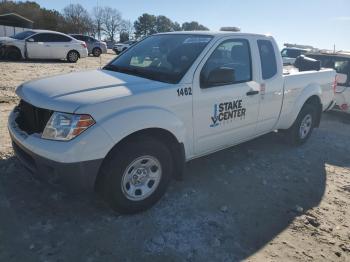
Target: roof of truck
215,33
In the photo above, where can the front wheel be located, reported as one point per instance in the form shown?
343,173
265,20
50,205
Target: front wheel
136,175
72,56
303,126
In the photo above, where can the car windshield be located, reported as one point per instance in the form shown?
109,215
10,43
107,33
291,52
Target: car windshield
164,58
23,35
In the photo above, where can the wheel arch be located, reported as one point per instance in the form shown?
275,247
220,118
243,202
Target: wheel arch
176,148
312,95
12,47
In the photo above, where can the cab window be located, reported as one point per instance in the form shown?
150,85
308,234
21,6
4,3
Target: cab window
230,56
48,37
267,59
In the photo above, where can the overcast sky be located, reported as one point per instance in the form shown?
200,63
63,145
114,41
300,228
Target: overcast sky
320,23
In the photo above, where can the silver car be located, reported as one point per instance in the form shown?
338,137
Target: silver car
94,46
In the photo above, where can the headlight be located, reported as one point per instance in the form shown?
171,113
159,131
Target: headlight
64,127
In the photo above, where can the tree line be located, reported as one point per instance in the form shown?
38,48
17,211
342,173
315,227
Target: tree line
102,22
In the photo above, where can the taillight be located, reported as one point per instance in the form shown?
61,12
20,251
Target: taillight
84,45
335,84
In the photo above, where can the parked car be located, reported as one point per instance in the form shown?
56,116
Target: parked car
94,46
42,44
110,44
120,47
340,61
127,129
289,54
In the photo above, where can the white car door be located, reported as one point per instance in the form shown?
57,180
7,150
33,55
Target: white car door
60,45
37,46
225,96
271,81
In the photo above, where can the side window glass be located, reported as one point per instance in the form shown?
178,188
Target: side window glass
267,58
58,38
230,63
39,38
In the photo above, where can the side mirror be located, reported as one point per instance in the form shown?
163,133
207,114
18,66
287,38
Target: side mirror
342,78
30,40
218,77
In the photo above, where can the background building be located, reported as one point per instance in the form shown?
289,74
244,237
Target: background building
13,23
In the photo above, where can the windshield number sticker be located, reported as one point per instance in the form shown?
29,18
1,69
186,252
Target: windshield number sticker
187,91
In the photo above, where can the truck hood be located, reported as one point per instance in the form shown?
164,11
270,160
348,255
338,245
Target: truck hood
68,92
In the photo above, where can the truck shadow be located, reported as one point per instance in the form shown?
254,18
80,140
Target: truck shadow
230,205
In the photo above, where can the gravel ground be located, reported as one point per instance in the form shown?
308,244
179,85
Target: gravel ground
259,201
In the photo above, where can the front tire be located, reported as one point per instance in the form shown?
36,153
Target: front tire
13,54
136,175
303,126
72,56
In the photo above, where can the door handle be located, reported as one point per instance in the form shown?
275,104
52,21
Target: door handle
251,93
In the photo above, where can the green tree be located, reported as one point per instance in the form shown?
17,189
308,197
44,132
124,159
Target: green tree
176,26
145,25
164,24
193,26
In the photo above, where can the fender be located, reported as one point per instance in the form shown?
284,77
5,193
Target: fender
134,120
290,112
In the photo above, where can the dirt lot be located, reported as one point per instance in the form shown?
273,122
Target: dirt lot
260,201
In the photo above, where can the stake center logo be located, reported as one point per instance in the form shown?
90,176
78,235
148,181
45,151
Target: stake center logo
227,112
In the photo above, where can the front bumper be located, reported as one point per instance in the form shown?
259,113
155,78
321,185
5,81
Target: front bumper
70,164
80,176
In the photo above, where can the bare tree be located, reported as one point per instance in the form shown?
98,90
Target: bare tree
112,22
97,14
77,19
128,28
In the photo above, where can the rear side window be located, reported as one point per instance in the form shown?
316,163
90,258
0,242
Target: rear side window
60,38
48,37
267,58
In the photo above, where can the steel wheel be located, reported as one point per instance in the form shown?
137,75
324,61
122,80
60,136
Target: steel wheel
141,178
305,126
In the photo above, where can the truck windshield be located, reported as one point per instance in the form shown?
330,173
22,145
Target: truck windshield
23,35
164,58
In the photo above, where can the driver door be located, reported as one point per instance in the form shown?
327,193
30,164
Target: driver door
37,47
225,113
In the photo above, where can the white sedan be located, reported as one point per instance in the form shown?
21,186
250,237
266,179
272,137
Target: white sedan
42,44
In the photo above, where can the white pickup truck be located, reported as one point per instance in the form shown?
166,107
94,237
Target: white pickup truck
127,129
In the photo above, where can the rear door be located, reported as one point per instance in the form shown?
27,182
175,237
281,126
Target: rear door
225,114
271,82
59,46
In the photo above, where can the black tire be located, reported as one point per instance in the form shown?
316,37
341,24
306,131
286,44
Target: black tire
72,56
297,135
13,54
118,166
96,52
